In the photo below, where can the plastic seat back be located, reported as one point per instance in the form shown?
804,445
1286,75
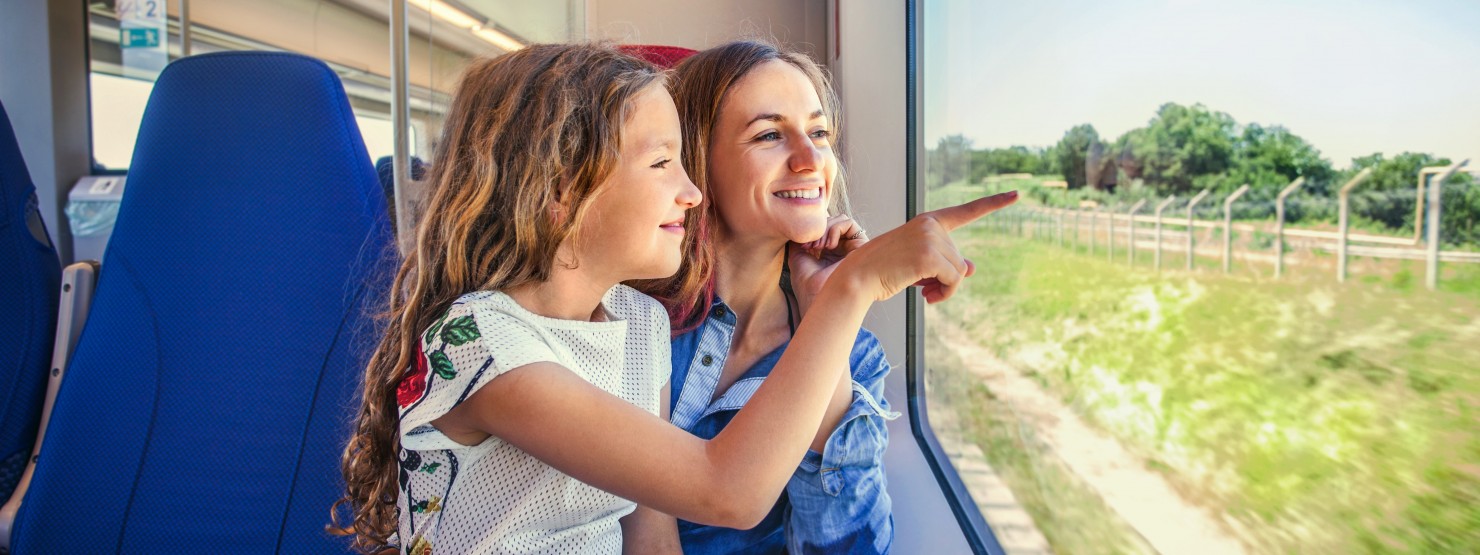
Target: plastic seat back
214,384
30,274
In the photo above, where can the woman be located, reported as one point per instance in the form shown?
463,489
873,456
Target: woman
759,129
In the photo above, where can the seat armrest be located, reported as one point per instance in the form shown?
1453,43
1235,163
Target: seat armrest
78,284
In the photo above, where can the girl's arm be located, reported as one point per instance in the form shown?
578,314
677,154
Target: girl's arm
733,479
561,419
649,531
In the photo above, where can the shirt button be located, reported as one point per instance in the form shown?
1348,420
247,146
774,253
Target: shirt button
719,312
707,360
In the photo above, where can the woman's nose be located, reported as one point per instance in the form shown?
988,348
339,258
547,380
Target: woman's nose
805,156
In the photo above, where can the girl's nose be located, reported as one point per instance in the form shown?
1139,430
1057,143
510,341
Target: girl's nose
689,196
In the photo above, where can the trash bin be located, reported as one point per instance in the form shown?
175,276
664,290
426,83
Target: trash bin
92,208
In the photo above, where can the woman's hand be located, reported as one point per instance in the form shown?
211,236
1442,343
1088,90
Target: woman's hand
811,263
920,252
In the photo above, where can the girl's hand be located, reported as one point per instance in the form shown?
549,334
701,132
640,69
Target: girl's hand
811,263
918,252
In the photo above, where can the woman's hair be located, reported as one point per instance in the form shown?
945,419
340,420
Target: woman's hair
528,140
700,85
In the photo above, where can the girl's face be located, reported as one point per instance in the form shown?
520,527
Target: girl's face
771,163
634,226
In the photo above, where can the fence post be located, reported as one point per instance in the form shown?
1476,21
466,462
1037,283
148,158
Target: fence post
1130,242
1341,244
1094,218
1431,265
1059,224
1228,227
1279,225
1110,237
1159,208
1190,229
1418,212
1078,210
1424,176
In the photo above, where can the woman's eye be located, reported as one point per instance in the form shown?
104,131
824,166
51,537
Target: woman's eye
770,136
662,164
821,134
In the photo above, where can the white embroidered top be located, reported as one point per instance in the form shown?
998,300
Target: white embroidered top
493,497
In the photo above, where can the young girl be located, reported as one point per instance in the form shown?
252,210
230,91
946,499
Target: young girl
513,406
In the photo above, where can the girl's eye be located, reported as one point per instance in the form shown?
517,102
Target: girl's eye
821,134
662,164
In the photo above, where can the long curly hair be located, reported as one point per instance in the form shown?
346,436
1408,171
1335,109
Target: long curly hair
527,131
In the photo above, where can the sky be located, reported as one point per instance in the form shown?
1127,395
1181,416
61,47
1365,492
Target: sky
1352,77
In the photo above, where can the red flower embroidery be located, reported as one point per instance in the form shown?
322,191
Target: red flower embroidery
414,385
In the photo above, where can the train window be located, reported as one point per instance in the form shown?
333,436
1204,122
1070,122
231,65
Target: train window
1237,305
130,40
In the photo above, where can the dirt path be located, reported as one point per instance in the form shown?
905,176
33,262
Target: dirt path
1171,524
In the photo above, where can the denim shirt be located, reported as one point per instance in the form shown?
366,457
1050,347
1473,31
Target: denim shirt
836,501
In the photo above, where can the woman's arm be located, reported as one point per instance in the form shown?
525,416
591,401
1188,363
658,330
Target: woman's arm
733,479
846,508
647,531
811,263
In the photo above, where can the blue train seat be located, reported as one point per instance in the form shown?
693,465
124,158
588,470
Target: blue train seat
30,274
213,387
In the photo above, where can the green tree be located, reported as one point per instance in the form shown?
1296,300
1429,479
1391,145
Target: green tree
949,161
1390,194
1072,150
1267,159
1180,144
997,161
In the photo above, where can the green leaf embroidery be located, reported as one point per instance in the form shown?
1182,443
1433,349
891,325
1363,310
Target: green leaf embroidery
428,505
441,365
430,468
432,331
460,330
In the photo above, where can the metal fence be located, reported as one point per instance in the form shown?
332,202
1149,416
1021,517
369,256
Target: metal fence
1087,227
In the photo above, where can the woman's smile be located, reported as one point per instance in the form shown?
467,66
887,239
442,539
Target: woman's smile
809,195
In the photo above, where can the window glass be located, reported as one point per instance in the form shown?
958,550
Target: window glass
1210,323
352,36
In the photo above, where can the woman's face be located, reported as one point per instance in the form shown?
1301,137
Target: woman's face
771,163
634,227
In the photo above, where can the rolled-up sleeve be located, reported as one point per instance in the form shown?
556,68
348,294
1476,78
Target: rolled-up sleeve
838,498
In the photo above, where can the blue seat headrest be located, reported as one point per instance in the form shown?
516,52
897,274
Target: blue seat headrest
213,386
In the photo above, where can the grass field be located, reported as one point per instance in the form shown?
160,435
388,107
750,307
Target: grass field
1317,417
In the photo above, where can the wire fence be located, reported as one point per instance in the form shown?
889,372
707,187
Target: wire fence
1161,239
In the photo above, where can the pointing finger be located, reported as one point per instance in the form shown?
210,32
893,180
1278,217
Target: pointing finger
956,216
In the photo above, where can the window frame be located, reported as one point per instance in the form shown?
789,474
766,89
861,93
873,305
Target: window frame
974,527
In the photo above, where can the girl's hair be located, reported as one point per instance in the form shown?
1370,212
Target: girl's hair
528,140
700,85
